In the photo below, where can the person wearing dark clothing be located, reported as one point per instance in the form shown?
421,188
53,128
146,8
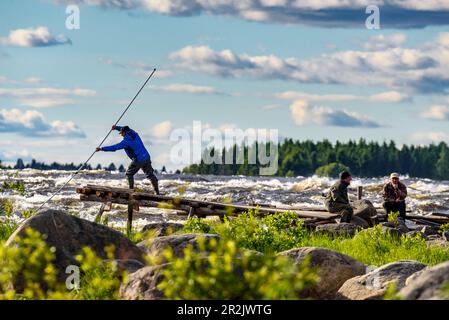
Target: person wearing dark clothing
337,200
394,194
136,151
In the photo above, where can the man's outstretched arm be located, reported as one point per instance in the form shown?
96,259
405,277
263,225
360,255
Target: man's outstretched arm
115,147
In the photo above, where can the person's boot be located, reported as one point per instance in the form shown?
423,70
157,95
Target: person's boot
155,186
131,182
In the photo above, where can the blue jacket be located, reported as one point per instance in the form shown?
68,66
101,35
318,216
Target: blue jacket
132,144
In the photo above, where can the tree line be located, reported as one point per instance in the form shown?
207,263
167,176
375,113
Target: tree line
20,164
362,158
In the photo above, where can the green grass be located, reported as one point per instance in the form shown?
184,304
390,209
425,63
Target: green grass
283,231
17,186
6,229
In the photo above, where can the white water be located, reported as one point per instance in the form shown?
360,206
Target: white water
425,195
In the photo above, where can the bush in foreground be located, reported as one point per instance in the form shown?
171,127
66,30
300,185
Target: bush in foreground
232,273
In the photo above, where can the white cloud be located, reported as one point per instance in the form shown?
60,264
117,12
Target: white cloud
12,155
33,37
140,68
46,96
382,42
331,13
429,137
33,123
32,80
271,106
161,130
186,88
437,112
423,69
387,97
305,114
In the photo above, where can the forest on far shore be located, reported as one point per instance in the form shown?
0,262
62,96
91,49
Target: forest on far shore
362,158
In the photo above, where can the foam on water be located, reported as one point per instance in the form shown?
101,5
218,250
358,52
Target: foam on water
425,195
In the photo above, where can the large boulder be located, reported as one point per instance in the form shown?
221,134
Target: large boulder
338,228
334,269
156,246
69,234
365,209
162,228
428,284
360,222
142,284
373,285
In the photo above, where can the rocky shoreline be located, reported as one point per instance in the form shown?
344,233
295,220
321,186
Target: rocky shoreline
340,276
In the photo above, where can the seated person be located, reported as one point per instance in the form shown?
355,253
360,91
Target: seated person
394,194
337,200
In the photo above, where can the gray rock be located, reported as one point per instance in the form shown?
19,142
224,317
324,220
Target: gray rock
334,269
142,284
163,228
428,230
129,266
414,233
373,285
338,228
446,235
178,243
360,222
392,231
69,234
365,209
428,284
437,242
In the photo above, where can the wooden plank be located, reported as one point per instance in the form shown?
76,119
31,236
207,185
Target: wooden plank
205,208
201,207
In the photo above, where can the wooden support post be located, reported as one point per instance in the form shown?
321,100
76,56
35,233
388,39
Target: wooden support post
191,213
360,192
100,213
129,227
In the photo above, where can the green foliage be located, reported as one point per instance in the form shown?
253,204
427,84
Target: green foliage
391,292
17,186
6,207
273,233
197,225
374,247
231,273
6,229
283,231
444,227
393,218
331,170
101,280
26,270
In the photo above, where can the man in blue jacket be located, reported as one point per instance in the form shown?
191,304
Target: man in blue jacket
136,151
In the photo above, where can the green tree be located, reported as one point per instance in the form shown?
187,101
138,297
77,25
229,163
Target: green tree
331,170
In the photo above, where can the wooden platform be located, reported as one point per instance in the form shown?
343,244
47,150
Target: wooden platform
189,207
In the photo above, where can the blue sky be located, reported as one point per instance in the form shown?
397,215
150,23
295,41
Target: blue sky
293,70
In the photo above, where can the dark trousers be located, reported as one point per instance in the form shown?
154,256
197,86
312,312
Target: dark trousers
344,210
146,167
395,207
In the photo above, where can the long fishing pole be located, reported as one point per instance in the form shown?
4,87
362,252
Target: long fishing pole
101,143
